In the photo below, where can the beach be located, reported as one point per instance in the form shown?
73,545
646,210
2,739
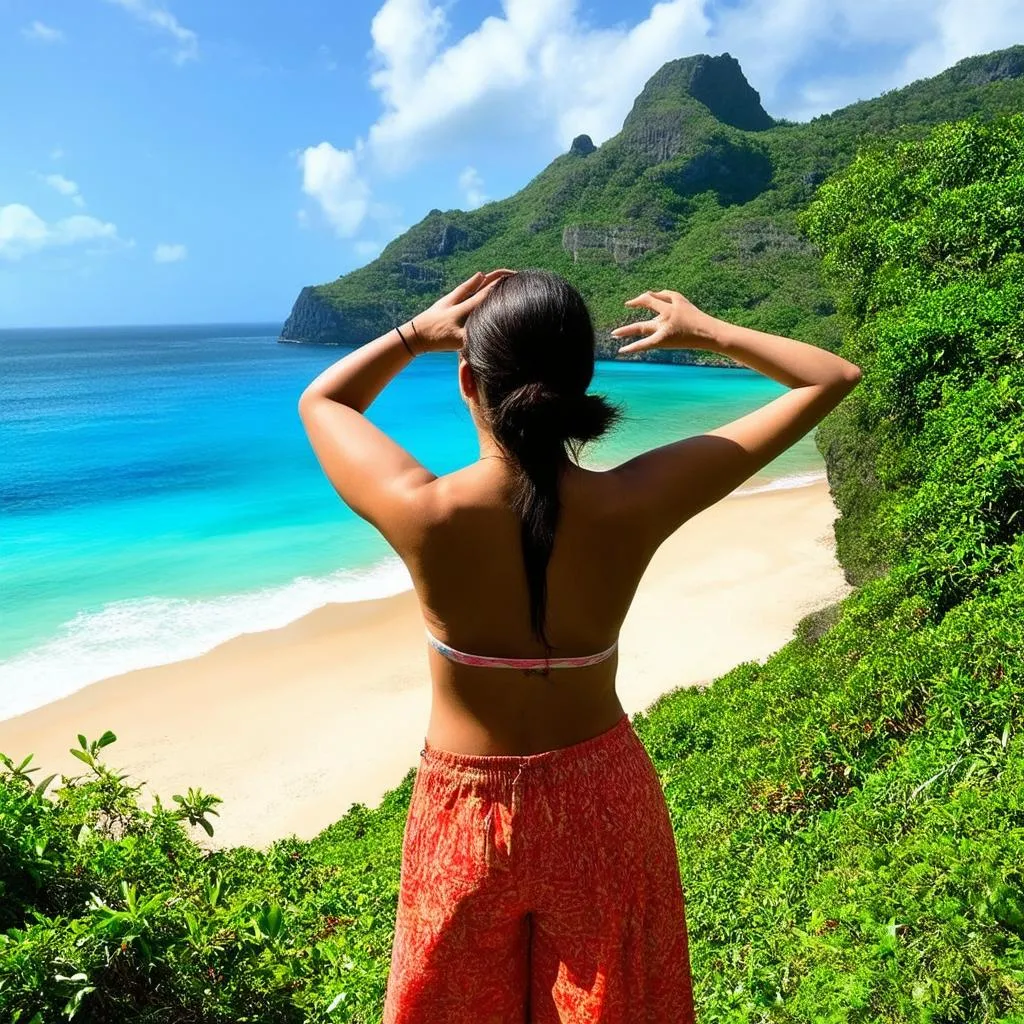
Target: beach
291,726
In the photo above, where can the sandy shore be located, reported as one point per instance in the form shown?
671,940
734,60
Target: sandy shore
293,725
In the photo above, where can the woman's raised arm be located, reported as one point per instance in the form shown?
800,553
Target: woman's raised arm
676,481
371,472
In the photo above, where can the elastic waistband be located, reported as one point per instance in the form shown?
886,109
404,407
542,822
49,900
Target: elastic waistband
501,765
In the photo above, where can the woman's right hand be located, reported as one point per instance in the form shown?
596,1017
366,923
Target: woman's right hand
677,323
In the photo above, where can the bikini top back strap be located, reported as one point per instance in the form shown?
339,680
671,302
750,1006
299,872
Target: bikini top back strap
524,664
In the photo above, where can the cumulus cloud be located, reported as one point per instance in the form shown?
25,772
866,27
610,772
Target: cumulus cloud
170,252
23,232
186,41
540,65
540,70
332,178
472,187
537,65
66,187
42,33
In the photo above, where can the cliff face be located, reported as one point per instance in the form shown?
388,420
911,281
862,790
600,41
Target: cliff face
315,320
621,242
698,192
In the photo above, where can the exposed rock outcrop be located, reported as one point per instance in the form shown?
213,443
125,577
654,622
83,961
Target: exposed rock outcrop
582,145
995,67
623,242
607,347
314,319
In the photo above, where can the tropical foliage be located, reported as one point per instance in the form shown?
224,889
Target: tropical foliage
696,197
849,815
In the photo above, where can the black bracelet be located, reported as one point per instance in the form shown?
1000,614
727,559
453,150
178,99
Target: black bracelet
404,342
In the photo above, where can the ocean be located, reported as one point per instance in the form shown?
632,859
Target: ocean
158,495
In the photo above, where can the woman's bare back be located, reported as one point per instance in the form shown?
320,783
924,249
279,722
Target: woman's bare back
462,537
467,567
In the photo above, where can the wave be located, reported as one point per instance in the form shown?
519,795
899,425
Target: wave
783,483
127,635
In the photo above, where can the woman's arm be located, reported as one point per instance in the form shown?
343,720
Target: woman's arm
678,480
372,473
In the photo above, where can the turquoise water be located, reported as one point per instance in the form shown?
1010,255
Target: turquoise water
158,495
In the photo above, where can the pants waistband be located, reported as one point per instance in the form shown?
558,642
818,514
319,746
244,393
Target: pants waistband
499,766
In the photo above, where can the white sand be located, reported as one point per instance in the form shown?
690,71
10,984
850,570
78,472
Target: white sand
293,725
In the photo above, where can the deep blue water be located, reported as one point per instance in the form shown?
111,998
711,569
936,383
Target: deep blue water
158,495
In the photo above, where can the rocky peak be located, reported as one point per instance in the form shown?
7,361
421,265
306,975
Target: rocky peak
716,82
991,67
582,145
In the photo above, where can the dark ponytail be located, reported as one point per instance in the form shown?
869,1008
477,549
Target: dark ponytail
530,345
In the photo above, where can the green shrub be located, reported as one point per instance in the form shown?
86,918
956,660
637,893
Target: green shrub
849,815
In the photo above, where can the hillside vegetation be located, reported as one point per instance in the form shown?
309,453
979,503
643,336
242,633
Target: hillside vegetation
699,192
849,815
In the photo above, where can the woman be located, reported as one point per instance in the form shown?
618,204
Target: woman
540,878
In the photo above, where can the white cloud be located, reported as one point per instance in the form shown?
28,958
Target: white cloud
170,252
963,28
536,66
43,33
56,153
66,187
472,186
186,41
331,177
22,231
540,70
540,66
406,35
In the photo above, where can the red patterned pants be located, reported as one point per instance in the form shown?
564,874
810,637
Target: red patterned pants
541,888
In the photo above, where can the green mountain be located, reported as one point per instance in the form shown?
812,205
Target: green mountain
699,192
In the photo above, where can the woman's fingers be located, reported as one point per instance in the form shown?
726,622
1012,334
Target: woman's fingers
640,327
648,301
472,286
466,306
642,345
464,290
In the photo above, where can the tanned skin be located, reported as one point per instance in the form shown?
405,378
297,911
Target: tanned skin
459,536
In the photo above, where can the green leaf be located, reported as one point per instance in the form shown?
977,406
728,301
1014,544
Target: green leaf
41,788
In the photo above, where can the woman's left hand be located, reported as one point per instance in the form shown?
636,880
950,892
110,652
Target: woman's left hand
441,328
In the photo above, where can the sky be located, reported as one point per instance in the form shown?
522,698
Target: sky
188,161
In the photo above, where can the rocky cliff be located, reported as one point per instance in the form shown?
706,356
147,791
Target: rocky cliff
698,192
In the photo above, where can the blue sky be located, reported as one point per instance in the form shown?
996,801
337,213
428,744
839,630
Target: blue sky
174,161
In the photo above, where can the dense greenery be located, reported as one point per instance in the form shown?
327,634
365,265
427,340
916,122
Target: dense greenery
699,192
849,815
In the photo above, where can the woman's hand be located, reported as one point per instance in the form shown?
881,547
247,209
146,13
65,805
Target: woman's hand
441,328
678,323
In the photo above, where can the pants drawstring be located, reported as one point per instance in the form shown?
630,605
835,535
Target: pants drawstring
516,802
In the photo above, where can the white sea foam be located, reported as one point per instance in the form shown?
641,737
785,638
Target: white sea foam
126,635
782,483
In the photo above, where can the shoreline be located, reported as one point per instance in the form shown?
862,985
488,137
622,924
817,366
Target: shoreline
190,628
292,725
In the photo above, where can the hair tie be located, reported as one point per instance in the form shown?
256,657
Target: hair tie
404,342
